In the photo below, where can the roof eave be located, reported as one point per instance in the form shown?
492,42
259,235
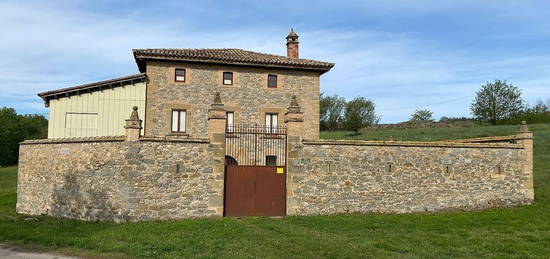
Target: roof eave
140,60
66,92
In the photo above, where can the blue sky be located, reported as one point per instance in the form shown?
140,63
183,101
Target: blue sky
403,55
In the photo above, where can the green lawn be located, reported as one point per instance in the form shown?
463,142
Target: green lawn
515,232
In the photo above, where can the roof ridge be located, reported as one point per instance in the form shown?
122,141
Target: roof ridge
234,56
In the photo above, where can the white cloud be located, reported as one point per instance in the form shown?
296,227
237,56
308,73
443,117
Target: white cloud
52,45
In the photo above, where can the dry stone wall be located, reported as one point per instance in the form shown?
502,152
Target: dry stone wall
112,179
345,177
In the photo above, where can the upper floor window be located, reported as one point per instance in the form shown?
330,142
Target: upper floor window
228,78
180,75
178,121
272,81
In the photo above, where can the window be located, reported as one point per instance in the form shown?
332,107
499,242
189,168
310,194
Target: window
180,75
271,160
272,81
228,78
230,120
271,122
178,121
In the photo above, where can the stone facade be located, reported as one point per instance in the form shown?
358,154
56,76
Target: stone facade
113,179
249,97
329,177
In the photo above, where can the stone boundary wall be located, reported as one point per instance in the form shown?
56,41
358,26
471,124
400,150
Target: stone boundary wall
343,176
113,179
135,178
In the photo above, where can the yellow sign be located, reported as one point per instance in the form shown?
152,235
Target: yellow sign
280,170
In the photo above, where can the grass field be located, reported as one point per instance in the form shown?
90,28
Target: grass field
514,232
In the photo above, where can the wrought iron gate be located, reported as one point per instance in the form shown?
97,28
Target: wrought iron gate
255,170
255,145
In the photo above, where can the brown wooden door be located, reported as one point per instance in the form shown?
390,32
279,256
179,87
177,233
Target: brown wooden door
255,191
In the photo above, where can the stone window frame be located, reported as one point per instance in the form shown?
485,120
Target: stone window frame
223,78
236,110
219,78
276,81
188,119
227,125
171,74
178,131
279,111
176,75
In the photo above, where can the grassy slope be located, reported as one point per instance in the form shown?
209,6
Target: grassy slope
521,231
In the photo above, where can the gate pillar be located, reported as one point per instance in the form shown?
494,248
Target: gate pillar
294,119
216,133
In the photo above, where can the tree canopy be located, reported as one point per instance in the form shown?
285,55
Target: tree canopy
15,128
360,113
497,101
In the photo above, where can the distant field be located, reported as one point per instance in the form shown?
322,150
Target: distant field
503,233
428,134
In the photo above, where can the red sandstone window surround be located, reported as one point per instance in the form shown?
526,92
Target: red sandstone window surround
227,78
180,75
179,118
272,81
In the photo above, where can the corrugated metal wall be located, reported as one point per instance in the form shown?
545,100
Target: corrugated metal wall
99,113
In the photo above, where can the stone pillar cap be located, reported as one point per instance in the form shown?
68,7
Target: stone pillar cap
523,127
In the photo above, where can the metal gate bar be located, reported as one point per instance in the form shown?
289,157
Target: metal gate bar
255,145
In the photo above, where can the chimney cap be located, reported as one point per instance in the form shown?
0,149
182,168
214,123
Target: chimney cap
292,34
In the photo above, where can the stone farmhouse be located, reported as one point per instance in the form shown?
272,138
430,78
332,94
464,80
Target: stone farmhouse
230,132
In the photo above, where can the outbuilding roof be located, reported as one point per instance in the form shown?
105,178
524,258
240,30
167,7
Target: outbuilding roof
111,83
229,56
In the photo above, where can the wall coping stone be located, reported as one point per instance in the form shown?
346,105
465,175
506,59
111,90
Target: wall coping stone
483,139
188,140
411,144
73,140
110,139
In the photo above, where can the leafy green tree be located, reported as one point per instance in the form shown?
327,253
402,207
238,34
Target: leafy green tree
16,128
360,113
497,101
538,108
331,109
422,116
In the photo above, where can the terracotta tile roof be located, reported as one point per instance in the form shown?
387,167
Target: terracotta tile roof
47,96
229,56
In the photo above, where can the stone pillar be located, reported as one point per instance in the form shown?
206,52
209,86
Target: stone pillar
525,138
294,120
216,133
133,126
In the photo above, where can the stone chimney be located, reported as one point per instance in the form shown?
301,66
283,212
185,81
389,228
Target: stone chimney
292,43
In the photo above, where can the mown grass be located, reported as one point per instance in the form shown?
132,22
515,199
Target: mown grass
512,232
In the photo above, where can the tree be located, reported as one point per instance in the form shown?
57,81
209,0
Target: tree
538,108
331,109
497,101
422,116
360,113
16,128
